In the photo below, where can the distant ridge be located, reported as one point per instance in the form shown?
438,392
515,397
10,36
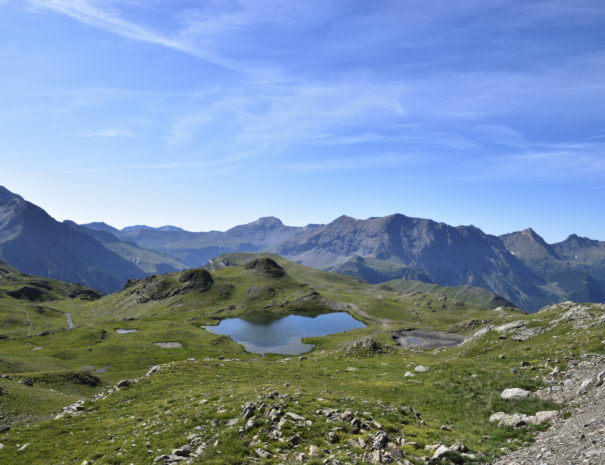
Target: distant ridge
35,243
520,266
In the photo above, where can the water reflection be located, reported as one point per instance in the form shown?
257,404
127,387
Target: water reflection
263,333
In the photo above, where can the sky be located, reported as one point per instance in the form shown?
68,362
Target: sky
209,114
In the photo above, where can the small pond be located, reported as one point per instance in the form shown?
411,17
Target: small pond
263,333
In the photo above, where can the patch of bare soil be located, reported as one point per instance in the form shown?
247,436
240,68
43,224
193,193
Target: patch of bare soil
423,339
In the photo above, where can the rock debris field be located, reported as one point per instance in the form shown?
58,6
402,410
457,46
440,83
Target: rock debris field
580,438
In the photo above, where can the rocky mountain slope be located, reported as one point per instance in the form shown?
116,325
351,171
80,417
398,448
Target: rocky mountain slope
521,266
196,248
35,243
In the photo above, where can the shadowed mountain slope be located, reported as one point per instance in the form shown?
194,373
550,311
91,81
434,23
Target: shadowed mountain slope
521,267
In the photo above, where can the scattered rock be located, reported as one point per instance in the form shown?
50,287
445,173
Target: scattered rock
248,410
262,453
294,416
542,416
421,369
514,393
367,345
154,369
441,452
124,383
516,420
379,440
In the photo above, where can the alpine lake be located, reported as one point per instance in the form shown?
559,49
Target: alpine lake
263,333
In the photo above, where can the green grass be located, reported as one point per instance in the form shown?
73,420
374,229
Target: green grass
160,412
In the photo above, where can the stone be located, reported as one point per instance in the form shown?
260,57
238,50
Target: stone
313,451
542,416
248,410
515,420
509,326
379,440
396,453
458,447
347,415
183,451
333,437
441,451
294,416
585,386
375,456
251,423
154,369
514,393
124,383
421,369
262,453
408,374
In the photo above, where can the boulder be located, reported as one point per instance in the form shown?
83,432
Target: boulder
516,420
248,410
514,393
542,416
379,440
441,451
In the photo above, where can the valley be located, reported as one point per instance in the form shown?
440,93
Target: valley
173,392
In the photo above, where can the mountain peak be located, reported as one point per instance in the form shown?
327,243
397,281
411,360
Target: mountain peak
6,195
100,226
268,221
343,219
578,241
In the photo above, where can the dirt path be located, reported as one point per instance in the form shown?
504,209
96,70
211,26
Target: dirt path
381,321
70,323
29,323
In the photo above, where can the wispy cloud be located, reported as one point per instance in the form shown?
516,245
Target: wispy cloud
111,132
359,163
306,77
87,12
556,162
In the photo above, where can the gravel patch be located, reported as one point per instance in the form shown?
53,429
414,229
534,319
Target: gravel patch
169,345
579,439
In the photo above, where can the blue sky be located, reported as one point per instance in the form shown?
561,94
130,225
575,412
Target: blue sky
209,114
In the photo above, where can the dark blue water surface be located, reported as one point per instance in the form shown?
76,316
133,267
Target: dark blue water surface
263,333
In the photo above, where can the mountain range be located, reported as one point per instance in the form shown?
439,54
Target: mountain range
520,266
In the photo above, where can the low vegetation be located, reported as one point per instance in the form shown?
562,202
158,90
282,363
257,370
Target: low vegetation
356,398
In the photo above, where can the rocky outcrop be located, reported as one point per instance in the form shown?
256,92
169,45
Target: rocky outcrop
170,285
266,267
